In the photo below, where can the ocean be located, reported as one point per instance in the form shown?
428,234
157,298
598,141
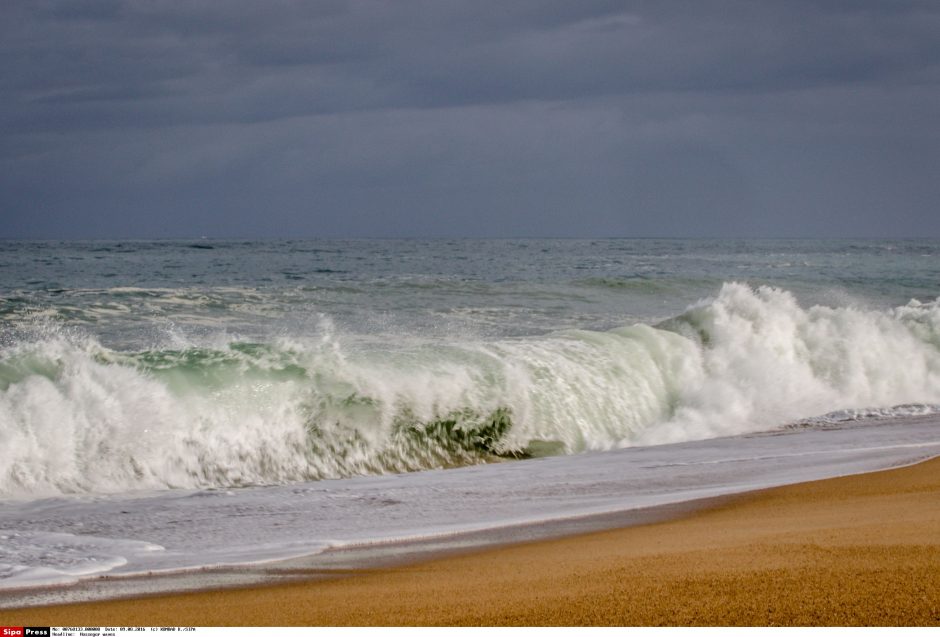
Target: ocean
173,405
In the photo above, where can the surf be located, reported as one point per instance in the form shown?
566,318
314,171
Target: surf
79,417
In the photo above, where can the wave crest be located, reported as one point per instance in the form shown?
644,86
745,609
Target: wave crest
78,417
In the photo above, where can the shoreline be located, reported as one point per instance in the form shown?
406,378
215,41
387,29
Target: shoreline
854,550
466,508
346,561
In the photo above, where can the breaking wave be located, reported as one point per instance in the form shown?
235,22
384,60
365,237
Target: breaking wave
76,416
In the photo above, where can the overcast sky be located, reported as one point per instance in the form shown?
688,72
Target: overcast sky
284,118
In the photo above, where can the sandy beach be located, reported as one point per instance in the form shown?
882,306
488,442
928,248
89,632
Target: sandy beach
857,550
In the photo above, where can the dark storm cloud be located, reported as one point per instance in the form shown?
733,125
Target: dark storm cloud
484,118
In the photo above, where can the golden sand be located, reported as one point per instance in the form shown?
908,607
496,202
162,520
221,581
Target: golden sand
859,550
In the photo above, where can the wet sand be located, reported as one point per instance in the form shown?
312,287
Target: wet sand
858,550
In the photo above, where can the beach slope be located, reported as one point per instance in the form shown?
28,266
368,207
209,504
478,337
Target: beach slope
856,550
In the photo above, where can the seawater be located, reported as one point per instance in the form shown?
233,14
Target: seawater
135,368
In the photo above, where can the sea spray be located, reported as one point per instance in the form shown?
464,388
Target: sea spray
766,360
77,416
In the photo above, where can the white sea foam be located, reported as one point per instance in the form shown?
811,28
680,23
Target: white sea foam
40,558
76,416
